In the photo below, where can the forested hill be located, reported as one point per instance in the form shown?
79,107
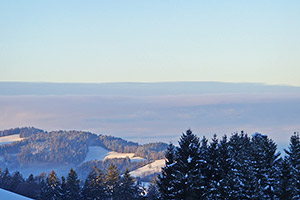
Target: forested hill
24,132
67,147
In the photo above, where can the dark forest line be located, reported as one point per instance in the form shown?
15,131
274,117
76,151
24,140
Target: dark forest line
238,167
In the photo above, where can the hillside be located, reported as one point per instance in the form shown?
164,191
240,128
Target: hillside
100,153
32,150
151,168
7,195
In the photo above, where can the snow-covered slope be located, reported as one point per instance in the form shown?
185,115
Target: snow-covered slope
149,169
7,195
99,153
96,153
10,139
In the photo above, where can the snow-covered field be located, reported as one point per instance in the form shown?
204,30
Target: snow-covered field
149,169
99,153
114,154
7,195
10,139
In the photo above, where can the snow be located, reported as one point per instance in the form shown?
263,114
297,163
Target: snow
145,184
258,135
114,154
96,153
99,153
10,139
151,168
7,195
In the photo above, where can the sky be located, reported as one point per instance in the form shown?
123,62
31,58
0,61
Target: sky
150,41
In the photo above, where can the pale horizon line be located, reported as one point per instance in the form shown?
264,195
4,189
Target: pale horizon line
152,82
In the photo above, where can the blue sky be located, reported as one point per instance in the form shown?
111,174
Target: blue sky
150,41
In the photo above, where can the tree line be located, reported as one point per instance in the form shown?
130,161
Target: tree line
121,163
24,131
240,167
98,185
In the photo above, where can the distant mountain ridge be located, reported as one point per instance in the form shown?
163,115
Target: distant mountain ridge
139,88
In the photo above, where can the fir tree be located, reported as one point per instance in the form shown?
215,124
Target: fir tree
128,189
239,149
5,179
63,189
203,169
42,184
293,156
187,167
31,188
284,190
73,186
225,182
213,169
93,188
50,191
16,181
111,180
166,180
153,192
265,166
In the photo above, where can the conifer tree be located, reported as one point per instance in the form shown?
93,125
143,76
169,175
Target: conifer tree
94,188
213,169
153,192
293,156
30,187
128,189
239,148
265,165
187,167
50,191
284,190
63,189
111,181
16,180
42,185
5,179
203,170
225,182
166,180
73,186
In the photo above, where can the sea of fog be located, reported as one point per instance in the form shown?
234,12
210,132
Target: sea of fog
157,113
